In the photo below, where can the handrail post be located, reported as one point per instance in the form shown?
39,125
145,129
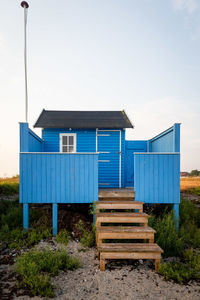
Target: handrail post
176,138
24,137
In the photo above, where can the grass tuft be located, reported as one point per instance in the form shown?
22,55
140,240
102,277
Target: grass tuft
182,272
36,266
88,238
63,237
167,235
9,188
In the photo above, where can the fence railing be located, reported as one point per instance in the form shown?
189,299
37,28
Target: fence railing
157,177
166,141
58,177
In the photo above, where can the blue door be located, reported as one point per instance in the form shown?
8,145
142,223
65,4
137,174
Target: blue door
131,148
109,148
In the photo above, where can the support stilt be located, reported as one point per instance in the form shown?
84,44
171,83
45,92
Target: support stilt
55,218
25,216
157,263
176,214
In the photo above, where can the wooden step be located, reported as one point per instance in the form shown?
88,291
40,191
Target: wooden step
121,217
126,232
112,204
129,251
116,193
116,198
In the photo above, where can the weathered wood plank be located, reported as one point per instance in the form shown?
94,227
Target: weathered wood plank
116,193
121,218
119,205
114,229
129,247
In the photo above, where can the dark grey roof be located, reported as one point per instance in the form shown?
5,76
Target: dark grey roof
83,119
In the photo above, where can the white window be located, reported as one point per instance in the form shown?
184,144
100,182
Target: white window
68,142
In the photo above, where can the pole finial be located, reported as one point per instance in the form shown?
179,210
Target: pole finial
24,4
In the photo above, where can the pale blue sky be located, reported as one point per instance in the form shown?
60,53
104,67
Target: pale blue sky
137,55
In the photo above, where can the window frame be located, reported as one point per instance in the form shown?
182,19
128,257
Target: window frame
61,141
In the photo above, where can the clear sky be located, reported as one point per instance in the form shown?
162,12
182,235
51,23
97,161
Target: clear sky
139,55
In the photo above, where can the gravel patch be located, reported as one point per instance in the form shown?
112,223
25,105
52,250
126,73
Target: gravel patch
127,280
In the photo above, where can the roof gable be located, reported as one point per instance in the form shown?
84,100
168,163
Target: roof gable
83,119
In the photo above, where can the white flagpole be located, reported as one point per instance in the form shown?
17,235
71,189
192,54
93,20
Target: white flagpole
25,6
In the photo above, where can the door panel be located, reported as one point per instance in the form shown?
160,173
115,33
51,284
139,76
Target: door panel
131,148
108,146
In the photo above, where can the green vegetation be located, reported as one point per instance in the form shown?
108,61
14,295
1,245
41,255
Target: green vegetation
11,231
179,243
170,240
167,236
194,191
36,266
183,272
63,237
194,173
88,238
9,188
17,238
189,213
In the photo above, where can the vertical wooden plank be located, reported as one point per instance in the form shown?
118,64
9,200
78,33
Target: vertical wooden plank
72,178
151,179
62,178
25,216
176,137
156,185
24,137
55,218
96,197
67,178
161,175
146,178
48,175
20,178
90,187
177,178
171,178
26,177
82,179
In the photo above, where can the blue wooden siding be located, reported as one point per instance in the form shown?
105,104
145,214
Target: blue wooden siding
29,141
123,157
85,139
167,141
157,177
58,178
131,148
35,142
86,142
108,146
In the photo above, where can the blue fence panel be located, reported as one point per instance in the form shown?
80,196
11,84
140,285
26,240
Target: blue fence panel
131,148
58,178
29,141
35,143
157,177
167,141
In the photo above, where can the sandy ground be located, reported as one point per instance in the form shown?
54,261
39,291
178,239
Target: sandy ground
128,280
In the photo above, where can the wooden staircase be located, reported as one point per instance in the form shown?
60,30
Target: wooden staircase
119,218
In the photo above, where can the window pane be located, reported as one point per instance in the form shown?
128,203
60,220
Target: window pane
71,149
71,140
64,141
65,149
